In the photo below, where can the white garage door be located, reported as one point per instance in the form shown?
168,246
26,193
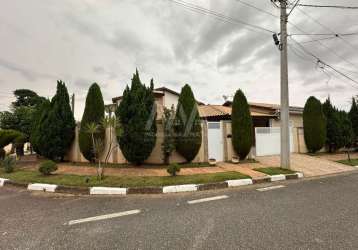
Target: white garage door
215,141
268,141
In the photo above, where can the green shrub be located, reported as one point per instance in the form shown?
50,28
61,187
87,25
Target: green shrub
333,131
47,167
242,137
187,125
57,127
137,115
353,116
8,164
93,113
314,124
173,169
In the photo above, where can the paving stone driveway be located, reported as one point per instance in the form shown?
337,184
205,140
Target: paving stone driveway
308,165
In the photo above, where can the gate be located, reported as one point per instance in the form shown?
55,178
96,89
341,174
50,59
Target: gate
268,141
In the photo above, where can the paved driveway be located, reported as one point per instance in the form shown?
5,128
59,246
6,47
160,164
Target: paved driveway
308,165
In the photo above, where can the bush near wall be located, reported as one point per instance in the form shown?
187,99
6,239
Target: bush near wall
242,137
137,115
93,113
314,123
187,125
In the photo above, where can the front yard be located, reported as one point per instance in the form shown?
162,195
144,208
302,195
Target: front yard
26,176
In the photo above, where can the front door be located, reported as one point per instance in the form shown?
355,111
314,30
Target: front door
215,141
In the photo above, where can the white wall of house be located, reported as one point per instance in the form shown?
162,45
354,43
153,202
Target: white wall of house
170,99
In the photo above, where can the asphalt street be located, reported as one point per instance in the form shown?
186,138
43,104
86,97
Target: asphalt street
303,214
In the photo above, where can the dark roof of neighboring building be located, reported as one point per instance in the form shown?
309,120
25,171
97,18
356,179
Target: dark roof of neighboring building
157,93
272,107
206,111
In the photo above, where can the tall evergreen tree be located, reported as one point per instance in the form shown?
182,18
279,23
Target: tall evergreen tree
314,123
333,132
137,115
57,130
242,137
187,125
39,116
93,114
353,116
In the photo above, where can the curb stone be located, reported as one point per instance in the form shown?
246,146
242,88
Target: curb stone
3,181
147,190
211,186
42,187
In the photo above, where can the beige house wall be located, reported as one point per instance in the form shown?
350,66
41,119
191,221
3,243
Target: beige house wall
297,135
156,157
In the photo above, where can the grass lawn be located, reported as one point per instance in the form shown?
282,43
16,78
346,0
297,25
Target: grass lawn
23,176
274,171
353,162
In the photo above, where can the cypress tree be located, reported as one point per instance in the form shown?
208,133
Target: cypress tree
333,132
314,123
137,115
187,125
242,137
353,116
58,126
39,116
93,113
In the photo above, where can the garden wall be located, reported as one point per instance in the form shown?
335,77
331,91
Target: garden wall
156,157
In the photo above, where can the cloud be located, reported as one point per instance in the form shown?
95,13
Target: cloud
104,41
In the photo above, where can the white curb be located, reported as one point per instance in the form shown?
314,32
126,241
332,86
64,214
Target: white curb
299,175
108,191
236,183
2,182
278,177
180,188
42,187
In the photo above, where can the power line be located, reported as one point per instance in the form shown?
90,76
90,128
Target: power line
327,28
217,15
328,6
320,39
294,6
325,34
257,8
324,63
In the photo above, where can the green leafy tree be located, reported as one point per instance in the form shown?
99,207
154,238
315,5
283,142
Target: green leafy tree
333,131
242,137
353,116
314,123
57,130
22,111
93,113
137,113
187,125
27,98
168,145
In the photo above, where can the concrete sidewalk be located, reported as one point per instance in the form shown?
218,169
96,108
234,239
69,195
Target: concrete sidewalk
308,165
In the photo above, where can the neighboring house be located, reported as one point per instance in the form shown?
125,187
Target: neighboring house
216,130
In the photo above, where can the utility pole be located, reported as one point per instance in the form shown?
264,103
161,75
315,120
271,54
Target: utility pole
284,112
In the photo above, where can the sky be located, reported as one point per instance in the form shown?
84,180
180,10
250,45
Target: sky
86,41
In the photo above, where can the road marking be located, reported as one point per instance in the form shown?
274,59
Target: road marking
270,188
209,199
103,217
